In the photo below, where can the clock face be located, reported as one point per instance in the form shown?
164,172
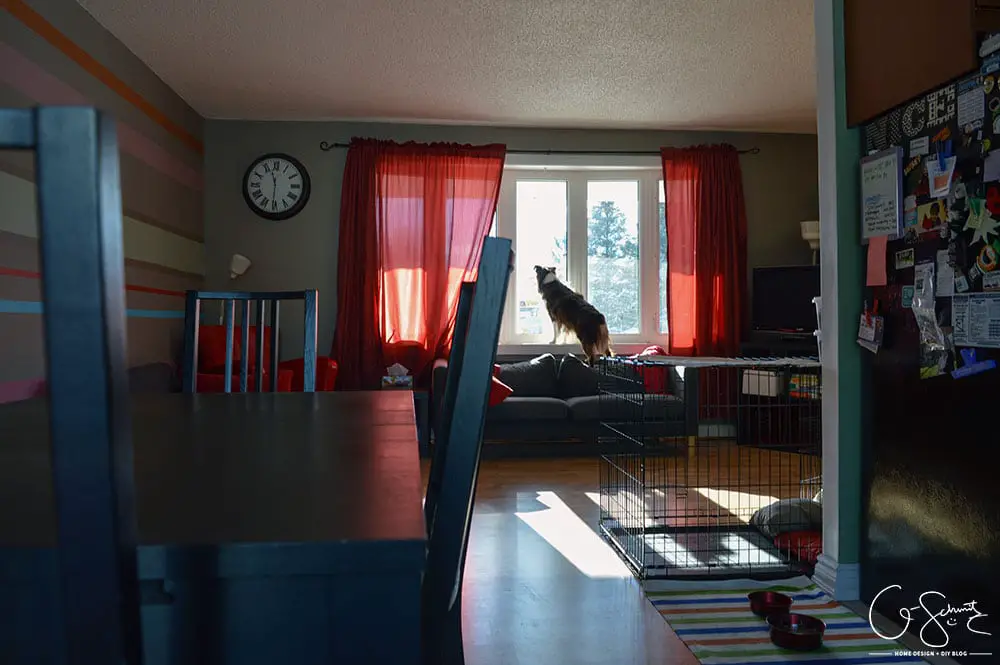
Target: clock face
276,186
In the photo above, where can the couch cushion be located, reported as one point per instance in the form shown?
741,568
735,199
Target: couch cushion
531,378
657,407
529,408
575,379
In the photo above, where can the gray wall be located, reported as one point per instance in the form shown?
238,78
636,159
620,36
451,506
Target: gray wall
160,140
780,185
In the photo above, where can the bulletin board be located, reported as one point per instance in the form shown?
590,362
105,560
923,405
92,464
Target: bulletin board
939,286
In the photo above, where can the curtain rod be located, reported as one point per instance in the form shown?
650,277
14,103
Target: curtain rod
324,146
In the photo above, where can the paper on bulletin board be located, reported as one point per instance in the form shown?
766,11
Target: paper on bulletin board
876,261
975,320
945,275
923,280
940,176
909,211
971,103
882,194
920,146
991,166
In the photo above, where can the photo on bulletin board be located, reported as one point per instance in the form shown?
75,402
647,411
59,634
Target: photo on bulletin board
882,194
931,217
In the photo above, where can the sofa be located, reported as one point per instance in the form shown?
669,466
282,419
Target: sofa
555,408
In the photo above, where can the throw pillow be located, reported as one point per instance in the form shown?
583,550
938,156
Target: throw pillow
531,378
576,379
499,391
656,378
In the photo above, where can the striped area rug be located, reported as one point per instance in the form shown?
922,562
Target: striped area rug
714,620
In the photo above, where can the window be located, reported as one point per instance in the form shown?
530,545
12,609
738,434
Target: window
603,231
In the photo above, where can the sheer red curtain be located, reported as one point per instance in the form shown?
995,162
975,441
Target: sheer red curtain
706,250
415,221
706,265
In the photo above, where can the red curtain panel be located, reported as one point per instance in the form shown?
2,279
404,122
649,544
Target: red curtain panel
706,265
413,220
706,250
356,346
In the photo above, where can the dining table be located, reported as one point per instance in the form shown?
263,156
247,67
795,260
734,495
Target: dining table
272,528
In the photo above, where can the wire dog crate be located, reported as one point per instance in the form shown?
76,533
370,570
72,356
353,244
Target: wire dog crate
716,465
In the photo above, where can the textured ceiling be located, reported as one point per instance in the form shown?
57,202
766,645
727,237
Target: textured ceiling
668,64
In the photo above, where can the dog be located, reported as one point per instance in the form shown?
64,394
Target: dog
568,310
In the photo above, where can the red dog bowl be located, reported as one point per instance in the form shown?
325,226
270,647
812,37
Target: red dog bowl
766,603
798,632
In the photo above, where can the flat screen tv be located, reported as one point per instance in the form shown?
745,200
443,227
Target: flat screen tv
782,299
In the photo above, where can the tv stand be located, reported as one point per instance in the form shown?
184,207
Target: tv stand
780,345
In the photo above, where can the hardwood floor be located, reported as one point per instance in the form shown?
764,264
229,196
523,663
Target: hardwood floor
540,584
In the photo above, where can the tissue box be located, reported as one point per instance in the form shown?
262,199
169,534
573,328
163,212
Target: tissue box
763,383
397,381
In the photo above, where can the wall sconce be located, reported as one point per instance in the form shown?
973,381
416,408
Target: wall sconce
238,265
810,233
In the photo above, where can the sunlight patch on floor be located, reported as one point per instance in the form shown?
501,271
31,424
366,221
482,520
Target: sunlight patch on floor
696,550
570,536
741,504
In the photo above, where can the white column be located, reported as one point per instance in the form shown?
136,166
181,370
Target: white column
837,570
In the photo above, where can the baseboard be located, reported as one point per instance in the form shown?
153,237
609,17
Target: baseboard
841,581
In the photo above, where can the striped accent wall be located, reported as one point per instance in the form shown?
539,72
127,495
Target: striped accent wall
53,53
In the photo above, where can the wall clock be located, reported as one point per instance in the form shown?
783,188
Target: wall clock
276,186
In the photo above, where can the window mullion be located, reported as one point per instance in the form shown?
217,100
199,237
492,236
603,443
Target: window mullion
648,255
577,231
507,228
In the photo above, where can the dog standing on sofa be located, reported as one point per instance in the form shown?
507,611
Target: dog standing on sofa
568,310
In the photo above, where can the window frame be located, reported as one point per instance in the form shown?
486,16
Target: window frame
577,172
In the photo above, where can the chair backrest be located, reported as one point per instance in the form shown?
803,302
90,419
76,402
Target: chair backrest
449,528
443,425
90,431
263,301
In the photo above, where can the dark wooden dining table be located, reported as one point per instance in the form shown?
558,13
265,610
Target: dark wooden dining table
273,528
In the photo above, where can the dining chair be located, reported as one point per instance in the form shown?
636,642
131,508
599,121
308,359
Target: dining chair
451,516
81,252
253,352
443,423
